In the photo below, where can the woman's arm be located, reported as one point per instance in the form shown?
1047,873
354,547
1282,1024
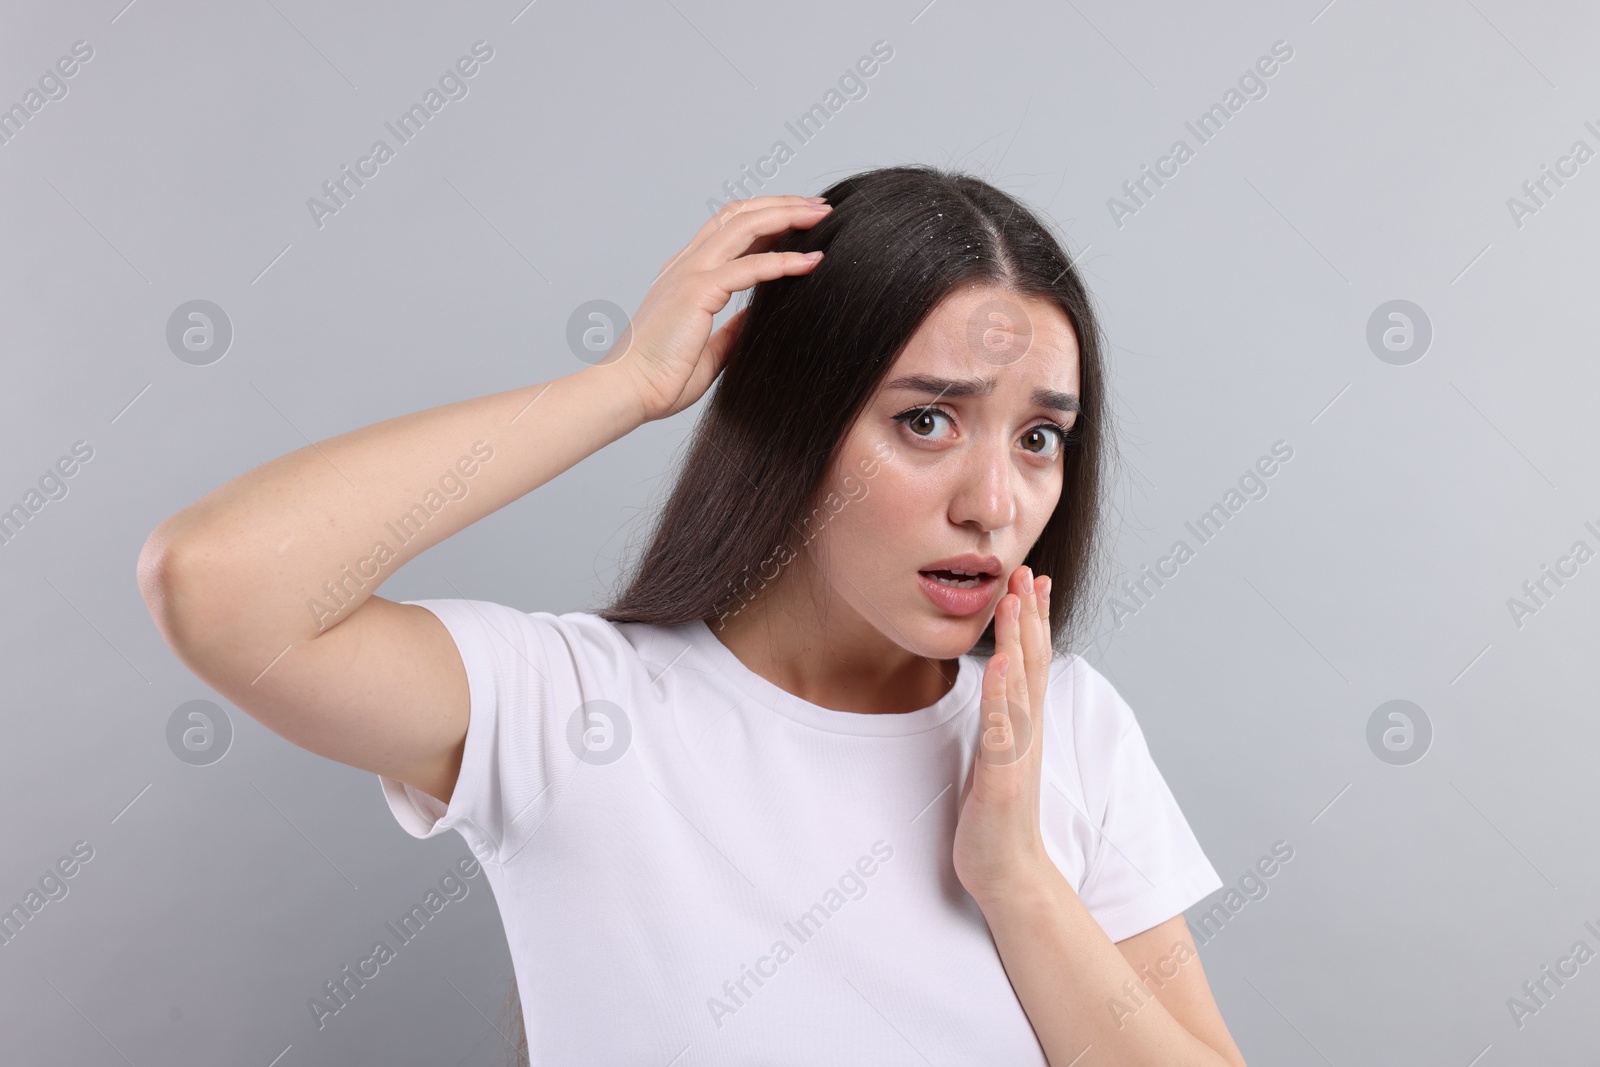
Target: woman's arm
1083,995
264,588
1087,1002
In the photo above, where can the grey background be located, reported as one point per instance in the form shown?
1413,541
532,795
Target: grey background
1378,567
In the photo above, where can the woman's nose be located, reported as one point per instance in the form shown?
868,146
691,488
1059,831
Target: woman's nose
983,495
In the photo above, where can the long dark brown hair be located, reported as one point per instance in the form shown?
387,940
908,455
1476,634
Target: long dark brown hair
810,355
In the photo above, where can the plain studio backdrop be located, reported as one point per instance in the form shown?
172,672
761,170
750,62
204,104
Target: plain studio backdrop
1361,259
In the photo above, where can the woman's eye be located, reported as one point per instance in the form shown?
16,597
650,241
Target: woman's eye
1045,439
921,421
1050,438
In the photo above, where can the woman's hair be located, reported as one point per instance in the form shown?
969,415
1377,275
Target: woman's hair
809,356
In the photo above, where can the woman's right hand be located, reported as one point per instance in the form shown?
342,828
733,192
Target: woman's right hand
668,350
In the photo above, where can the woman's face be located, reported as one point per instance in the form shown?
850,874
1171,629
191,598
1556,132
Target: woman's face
960,454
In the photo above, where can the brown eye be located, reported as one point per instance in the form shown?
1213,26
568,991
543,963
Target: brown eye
1050,437
922,421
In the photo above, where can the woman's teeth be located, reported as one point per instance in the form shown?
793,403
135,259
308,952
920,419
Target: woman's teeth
954,579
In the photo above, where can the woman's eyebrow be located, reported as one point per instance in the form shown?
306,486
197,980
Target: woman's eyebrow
1065,403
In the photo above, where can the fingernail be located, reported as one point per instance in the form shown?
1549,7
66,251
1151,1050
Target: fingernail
813,255
817,199
1027,579
1016,609
1044,596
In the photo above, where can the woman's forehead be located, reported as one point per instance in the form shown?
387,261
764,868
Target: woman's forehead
985,333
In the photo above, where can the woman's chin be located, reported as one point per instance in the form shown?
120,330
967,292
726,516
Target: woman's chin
949,637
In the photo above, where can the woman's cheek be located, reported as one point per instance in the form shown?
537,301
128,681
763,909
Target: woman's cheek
1041,506
866,518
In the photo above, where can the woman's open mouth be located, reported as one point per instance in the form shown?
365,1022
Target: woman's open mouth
961,586
955,579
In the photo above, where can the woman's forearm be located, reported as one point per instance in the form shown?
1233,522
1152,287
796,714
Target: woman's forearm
286,550
1066,972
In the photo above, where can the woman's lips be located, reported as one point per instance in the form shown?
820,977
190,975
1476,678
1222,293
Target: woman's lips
954,601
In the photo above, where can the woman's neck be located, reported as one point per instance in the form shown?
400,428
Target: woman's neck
841,662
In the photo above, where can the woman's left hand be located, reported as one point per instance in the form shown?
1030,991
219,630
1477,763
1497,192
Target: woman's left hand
998,845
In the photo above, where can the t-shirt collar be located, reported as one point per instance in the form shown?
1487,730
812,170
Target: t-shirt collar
962,694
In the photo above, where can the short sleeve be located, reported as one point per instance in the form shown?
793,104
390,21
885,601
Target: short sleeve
1147,865
528,674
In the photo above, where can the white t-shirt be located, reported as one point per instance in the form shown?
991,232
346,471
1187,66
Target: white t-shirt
695,867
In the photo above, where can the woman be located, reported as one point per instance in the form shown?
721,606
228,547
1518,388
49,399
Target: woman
769,805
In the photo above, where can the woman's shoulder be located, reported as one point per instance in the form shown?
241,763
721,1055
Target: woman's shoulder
580,637
1084,700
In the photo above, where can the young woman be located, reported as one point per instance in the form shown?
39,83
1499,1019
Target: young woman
817,787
